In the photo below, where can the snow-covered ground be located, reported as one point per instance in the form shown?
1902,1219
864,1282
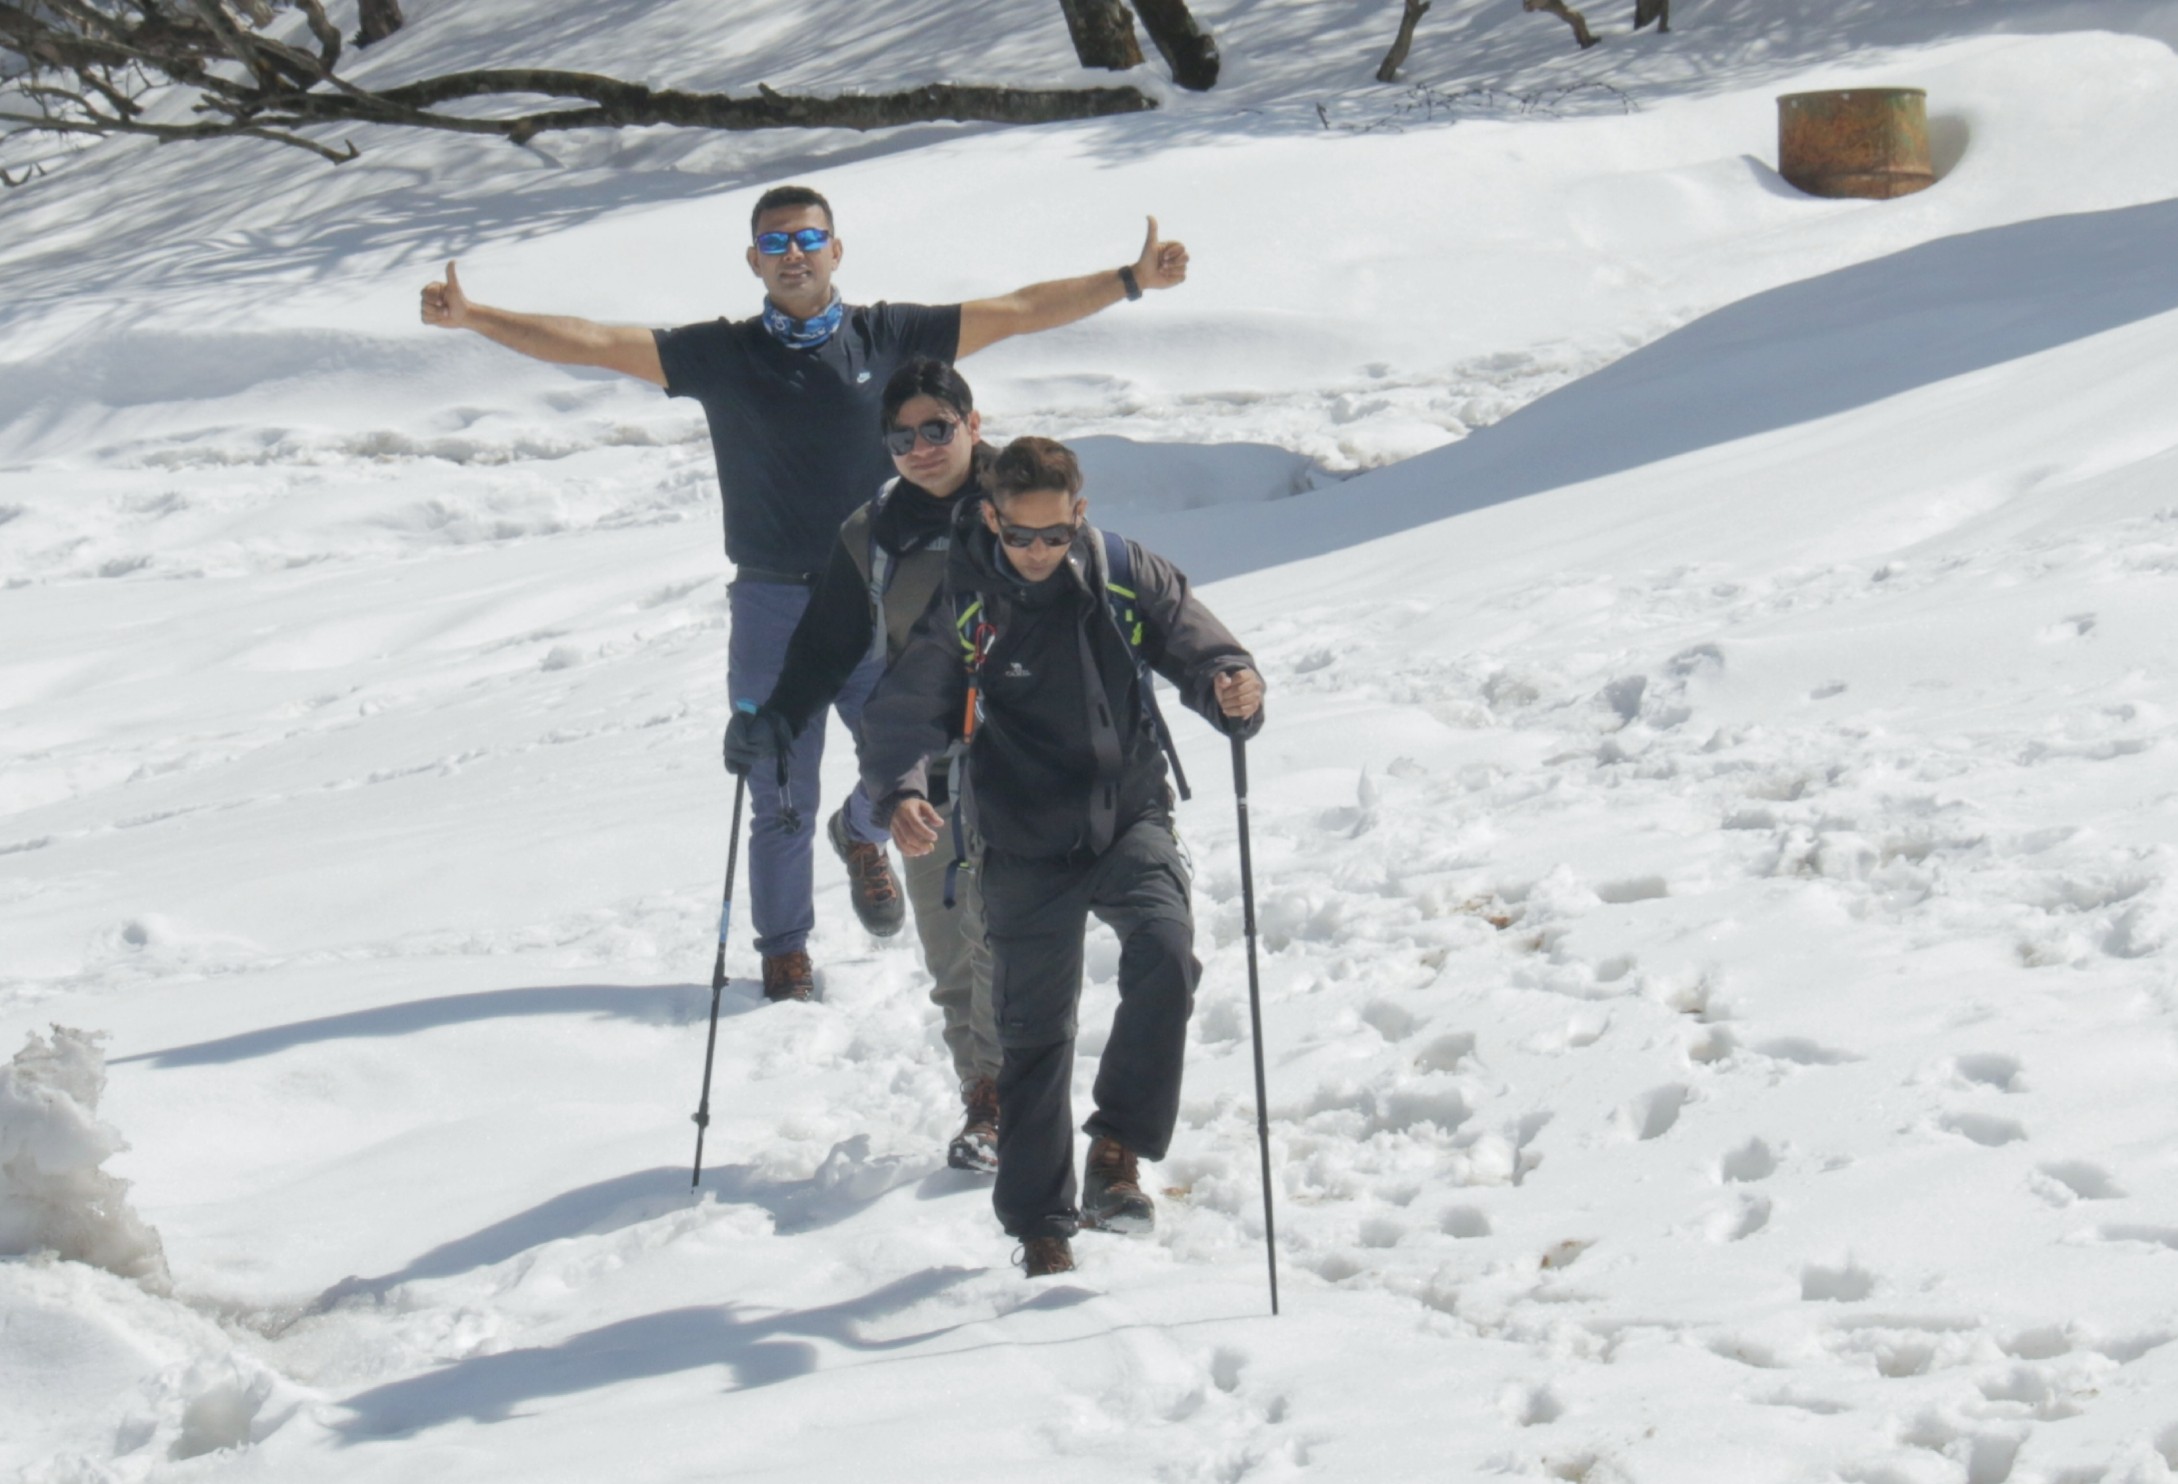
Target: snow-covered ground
1718,870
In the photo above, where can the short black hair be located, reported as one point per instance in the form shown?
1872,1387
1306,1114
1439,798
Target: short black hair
924,376
1034,464
788,196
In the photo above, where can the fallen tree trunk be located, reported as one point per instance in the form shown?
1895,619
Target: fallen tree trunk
1189,50
1396,58
1573,18
1103,34
376,20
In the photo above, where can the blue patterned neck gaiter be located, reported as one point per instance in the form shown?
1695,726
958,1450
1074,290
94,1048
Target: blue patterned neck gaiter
804,334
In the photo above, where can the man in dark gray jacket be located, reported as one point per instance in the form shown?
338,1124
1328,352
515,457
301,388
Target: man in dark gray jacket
1039,652
886,566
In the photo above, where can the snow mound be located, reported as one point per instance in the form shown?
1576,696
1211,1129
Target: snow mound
53,1194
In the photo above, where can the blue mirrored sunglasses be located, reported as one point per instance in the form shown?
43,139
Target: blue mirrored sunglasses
808,239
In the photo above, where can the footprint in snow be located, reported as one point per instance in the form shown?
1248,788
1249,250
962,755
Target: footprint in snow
1846,1283
2061,1182
1747,1350
1989,1069
1986,1456
1464,1222
1391,1021
2041,1342
1653,1114
2025,1390
1577,1034
1751,1161
1710,1045
1529,1406
1802,1052
2071,626
1984,1129
2156,1236
1382,1231
1738,1220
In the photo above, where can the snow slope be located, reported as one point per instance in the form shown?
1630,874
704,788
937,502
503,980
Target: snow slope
1715,851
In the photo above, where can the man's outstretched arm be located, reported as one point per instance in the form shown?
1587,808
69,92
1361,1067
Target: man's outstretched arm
1046,306
561,339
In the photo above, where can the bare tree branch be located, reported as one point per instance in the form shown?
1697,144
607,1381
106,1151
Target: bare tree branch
86,67
171,133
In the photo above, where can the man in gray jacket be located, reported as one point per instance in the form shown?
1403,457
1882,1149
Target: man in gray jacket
887,564
1039,655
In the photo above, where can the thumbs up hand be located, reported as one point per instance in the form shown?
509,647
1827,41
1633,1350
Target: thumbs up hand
444,304
1162,264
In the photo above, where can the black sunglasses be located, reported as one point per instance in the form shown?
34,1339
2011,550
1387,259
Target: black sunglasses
1021,538
808,239
935,431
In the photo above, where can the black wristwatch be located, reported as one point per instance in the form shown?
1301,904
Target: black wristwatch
1130,283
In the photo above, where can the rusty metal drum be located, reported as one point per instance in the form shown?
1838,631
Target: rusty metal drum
1866,142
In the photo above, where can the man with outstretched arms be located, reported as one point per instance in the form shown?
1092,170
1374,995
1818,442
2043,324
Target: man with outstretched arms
887,563
1041,650
791,396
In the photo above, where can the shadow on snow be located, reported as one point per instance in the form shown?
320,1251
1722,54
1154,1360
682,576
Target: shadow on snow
1792,355
607,1206
656,1004
755,1351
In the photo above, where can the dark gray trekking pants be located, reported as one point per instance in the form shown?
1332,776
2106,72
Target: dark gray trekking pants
1036,911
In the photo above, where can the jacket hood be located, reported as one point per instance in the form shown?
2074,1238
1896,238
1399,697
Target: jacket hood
976,564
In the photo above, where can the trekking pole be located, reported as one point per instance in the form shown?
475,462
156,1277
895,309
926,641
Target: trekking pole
718,975
1255,1012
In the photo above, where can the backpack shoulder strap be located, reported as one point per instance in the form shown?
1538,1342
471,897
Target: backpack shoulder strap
1119,592
1124,607
975,633
877,568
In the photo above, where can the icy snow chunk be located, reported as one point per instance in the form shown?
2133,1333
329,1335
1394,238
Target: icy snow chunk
53,1195
1446,1052
1490,1160
226,1407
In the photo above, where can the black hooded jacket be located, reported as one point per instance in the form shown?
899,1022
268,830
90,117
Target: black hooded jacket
834,634
1064,757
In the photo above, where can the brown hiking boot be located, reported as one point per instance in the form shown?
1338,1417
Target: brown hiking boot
1041,1257
975,1147
870,887
1111,1190
787,976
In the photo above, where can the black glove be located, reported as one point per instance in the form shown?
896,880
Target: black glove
753,736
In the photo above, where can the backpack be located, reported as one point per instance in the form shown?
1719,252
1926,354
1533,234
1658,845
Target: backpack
878,567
